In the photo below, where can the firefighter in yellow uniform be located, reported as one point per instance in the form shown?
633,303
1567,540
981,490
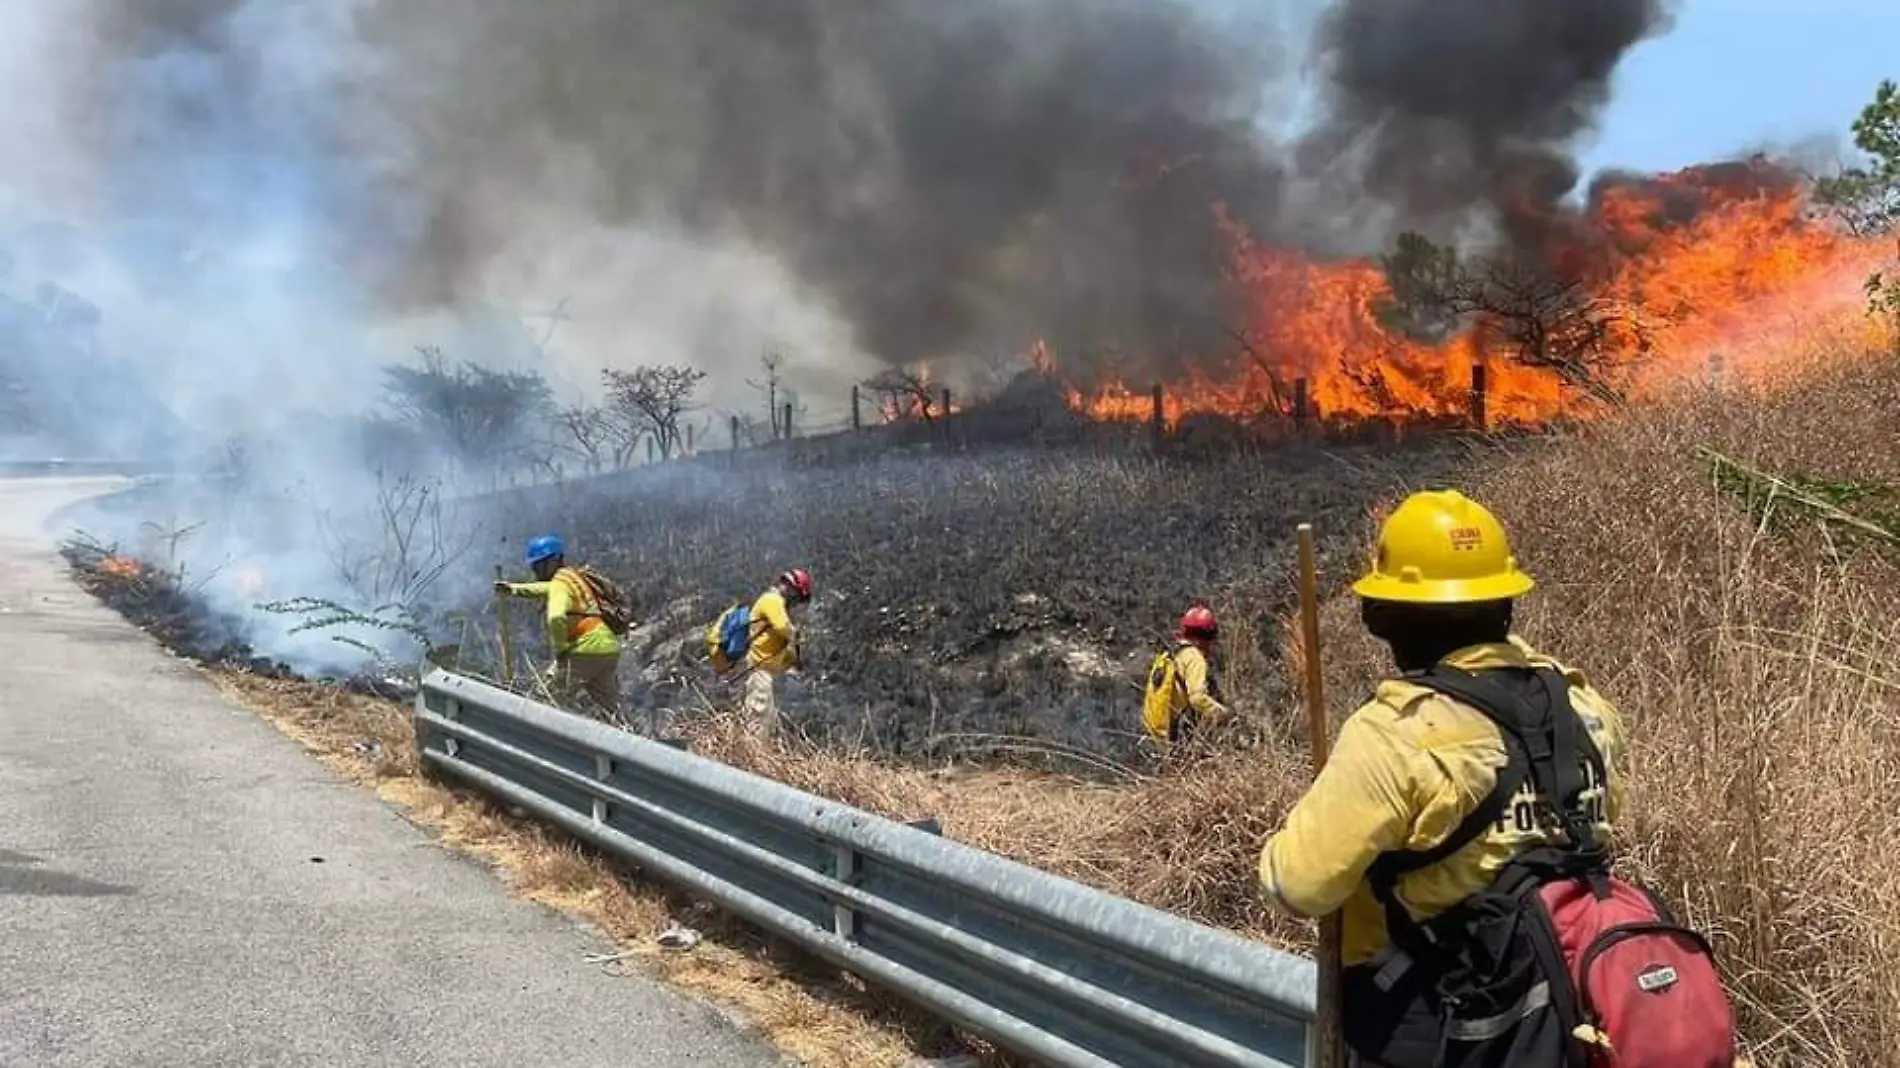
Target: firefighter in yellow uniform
586,652
1183,692
774,647
1412,763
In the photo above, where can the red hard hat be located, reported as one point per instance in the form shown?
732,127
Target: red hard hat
1199,622
799,580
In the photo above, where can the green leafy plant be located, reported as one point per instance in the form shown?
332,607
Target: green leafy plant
1853,511
1867,197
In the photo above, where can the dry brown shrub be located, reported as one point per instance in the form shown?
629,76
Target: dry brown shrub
1754,663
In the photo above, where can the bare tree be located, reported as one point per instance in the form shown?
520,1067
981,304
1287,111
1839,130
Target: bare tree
1279,392
392,563
481,417
771,362
1518,307
587,433
903,394
654,399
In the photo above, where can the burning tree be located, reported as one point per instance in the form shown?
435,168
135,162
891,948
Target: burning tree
1527,310
905,394
653,399
1867,197
481,417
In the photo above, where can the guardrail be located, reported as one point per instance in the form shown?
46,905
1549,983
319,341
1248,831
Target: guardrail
1042,966
74,468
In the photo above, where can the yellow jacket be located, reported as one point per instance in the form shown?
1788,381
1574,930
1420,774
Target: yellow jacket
573,617
774,647
1407,768
1193,687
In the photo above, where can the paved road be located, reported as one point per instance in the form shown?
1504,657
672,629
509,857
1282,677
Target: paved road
160,903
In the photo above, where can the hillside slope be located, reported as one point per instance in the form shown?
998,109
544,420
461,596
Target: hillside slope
993,592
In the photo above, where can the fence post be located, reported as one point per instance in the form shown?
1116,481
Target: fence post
689,439
1160,416
788,421
1302,410
735,439
1479,420
857,417
946,400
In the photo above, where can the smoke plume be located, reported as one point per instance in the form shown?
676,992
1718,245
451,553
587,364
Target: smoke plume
267,201
1450,112
942,178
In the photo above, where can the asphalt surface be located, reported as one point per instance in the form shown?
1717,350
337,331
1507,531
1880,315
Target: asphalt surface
181,885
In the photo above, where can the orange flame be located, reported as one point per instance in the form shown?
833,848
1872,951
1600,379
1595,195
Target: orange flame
1716,264
121,567
914,396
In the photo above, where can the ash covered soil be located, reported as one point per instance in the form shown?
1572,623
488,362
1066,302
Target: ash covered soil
973,596
993,598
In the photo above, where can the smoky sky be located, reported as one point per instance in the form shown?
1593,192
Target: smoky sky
949,177
1437,106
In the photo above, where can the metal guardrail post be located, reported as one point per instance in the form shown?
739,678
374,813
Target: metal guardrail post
844,922
452,711
603,770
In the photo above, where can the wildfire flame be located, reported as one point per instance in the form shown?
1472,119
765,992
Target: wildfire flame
1722,263
906,395
121,567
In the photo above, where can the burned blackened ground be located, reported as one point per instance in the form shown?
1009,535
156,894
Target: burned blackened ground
964,597
163,605
167,604
971,596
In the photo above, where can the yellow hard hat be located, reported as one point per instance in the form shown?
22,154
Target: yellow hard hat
1441,547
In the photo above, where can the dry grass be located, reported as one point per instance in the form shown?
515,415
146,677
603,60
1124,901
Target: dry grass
808,1011
1754,662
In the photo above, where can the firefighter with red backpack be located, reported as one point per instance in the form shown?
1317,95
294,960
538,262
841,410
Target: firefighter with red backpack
1462,824
1183,694
586,614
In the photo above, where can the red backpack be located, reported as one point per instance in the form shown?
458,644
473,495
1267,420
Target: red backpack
1557,963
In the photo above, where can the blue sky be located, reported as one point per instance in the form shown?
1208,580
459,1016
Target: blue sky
1736,74
1729,76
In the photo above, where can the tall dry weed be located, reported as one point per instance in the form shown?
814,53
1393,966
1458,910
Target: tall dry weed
1753,657
1753,660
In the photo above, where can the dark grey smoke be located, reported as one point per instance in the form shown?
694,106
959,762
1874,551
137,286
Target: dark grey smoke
951,177
1440,107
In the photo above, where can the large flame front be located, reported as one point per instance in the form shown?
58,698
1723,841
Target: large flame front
1721,265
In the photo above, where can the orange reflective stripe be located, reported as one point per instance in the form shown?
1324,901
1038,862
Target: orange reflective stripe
583,615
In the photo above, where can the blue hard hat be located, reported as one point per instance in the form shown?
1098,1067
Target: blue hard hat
545,547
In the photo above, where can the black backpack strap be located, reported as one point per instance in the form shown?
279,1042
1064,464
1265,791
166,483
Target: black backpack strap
1543,746
1390,866
1553,737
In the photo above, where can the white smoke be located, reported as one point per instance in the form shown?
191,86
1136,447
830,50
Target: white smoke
194,194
